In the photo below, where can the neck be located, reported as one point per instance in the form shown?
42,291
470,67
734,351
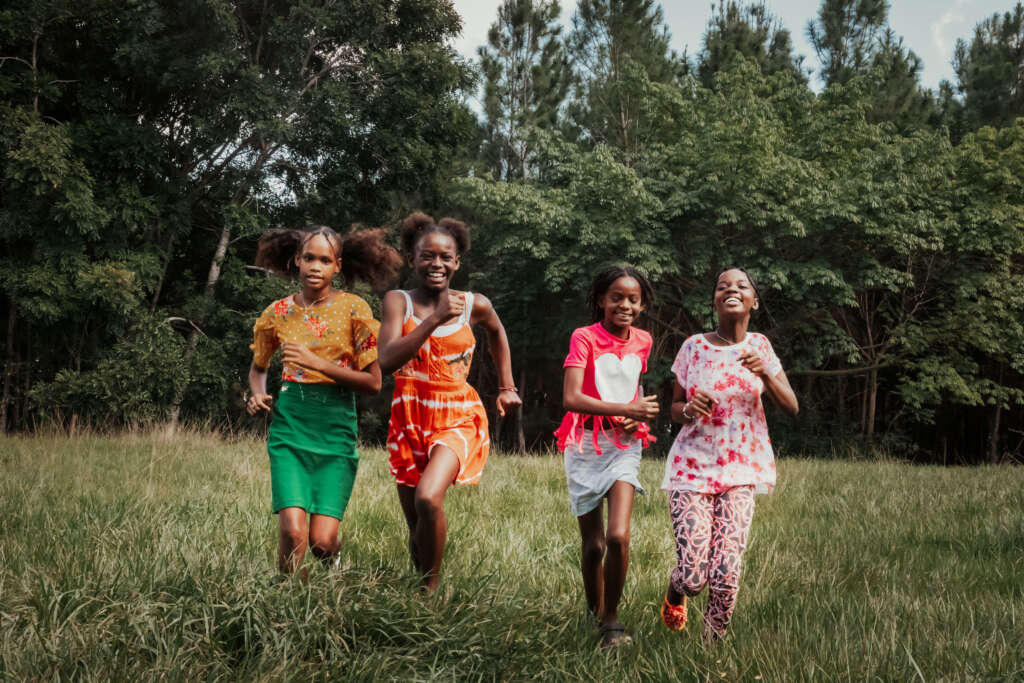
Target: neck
733,331
425,294
309,295
615,330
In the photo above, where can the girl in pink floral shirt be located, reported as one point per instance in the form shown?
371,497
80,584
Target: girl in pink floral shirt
722,455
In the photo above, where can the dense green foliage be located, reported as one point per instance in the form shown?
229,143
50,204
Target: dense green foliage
140,557
145,146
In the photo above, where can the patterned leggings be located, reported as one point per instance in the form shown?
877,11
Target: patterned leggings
711,534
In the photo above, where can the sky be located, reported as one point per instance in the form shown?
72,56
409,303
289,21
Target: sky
929,27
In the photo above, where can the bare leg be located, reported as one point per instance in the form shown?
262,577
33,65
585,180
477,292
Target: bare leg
591,557
407,499
431,524
616,561
294,533
323,537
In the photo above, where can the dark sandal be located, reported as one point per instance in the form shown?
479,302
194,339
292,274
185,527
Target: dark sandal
614,635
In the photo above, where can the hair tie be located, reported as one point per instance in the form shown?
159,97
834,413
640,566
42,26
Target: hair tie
419,228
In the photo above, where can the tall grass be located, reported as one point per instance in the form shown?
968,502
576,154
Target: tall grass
140,556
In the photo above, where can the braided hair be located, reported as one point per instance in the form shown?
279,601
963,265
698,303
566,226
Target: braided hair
606,278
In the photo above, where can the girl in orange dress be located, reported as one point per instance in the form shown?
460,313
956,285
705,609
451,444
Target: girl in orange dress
438,433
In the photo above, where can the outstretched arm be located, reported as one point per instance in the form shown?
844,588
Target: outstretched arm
497,341
395,350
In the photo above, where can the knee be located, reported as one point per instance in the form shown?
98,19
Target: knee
293,535
428,506
593,550
724,580
323,544
618,541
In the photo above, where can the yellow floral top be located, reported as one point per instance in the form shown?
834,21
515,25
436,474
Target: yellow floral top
341,330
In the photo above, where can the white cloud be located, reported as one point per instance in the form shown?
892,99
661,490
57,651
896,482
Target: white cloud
940,29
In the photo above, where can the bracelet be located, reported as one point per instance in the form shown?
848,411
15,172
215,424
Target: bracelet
511,388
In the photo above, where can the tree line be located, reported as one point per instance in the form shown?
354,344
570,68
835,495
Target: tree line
145,147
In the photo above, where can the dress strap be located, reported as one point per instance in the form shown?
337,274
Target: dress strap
467,314
408,306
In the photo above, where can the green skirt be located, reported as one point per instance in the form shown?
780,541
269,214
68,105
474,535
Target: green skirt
312,447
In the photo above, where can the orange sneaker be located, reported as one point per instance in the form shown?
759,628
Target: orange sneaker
673,616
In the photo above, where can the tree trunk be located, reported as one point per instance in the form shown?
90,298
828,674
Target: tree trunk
193,336
163,274
869,430
26,367
993,437
5,401
520,437
841,401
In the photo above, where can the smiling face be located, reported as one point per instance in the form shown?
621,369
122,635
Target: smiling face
435,259
622,304
734,294
318,263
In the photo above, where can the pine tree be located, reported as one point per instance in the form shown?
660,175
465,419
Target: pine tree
899,96
990,70
526,79
618,48
844,36
740,30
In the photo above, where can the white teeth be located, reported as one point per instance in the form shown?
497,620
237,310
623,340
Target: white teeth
732,298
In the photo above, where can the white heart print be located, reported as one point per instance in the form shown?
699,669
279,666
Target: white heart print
616,379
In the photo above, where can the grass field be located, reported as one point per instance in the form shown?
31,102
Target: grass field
142,557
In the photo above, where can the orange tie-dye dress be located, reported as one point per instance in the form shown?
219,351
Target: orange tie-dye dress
434,404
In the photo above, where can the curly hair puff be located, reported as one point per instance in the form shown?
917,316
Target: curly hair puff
365,254
418,224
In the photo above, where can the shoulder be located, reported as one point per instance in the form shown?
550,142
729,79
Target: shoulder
694,340
643,337
584,333
356,304
760,341
394,299
481,304
279,308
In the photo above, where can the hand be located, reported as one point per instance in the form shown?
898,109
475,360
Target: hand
449,306
700,404
508,400
644,408
629,425
258,402
294,353
752,361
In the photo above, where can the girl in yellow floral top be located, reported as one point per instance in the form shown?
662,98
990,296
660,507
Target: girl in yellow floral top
328,340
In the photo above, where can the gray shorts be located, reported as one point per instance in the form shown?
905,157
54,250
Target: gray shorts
590,475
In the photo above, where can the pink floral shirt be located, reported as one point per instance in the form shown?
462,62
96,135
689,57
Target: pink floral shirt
730,448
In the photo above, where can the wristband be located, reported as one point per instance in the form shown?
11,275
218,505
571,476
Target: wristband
511,388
